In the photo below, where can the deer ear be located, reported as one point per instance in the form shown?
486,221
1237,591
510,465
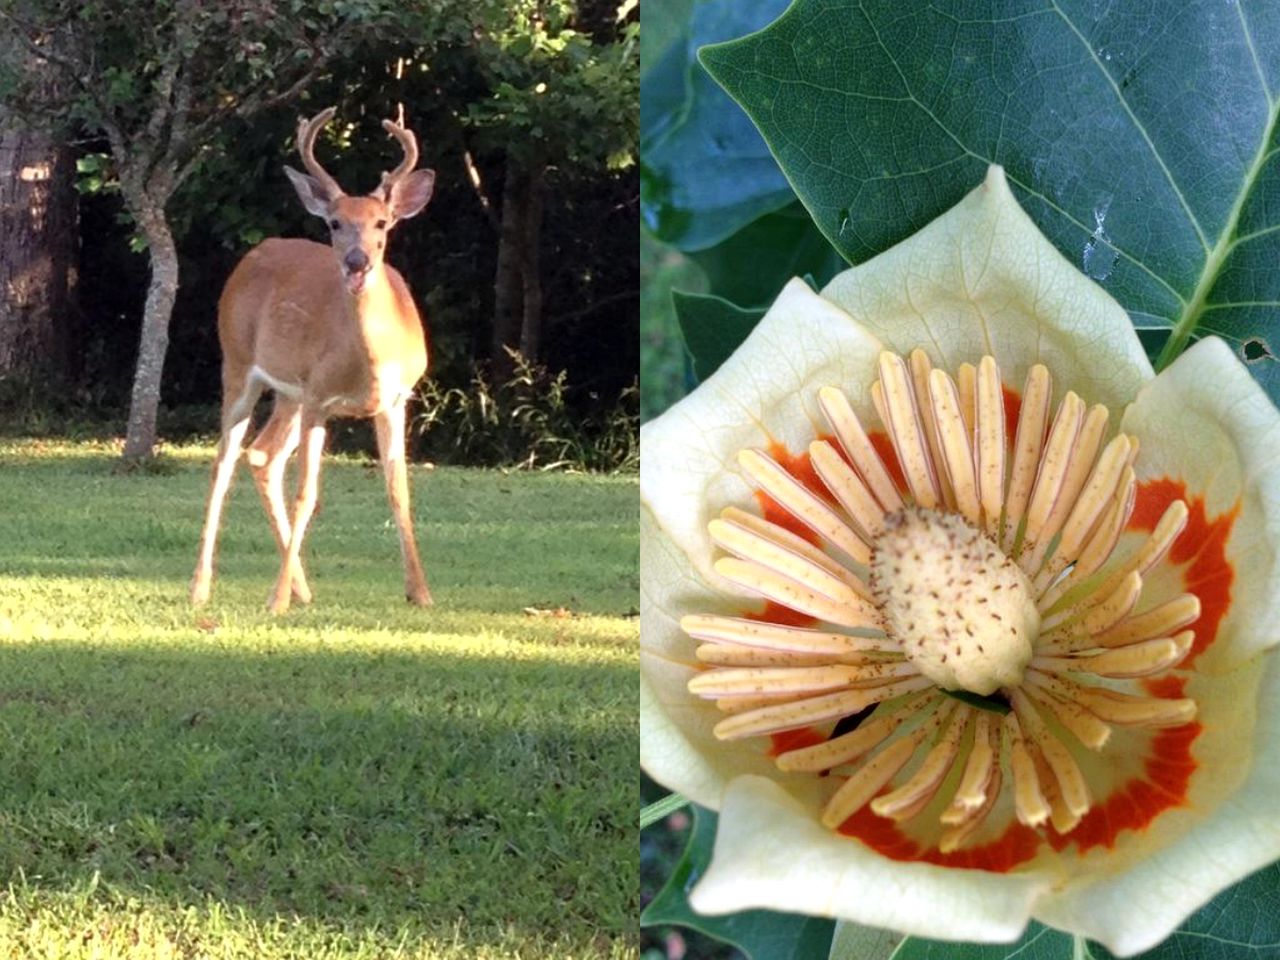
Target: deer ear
408,195
313,194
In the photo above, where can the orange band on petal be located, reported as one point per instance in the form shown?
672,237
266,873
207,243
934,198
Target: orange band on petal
1016,845
1133,806
1202,547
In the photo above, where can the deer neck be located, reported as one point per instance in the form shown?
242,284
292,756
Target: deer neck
372,312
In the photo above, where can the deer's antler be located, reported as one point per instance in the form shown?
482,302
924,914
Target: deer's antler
409,144
307,132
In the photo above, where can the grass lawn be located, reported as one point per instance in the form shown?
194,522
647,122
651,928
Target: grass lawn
358,778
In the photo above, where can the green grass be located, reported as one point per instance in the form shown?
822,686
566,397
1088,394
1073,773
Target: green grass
359,778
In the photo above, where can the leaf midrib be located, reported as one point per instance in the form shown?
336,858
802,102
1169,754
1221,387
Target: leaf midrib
1194,308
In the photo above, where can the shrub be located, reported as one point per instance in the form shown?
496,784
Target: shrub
533,420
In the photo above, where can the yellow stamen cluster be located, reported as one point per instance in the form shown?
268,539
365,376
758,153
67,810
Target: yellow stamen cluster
992,573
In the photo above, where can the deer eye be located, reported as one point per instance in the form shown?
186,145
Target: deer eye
381,225
334,224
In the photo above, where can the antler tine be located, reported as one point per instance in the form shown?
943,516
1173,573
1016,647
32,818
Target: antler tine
307,132
409,144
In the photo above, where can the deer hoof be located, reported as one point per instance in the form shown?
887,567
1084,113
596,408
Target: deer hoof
419,598
278,603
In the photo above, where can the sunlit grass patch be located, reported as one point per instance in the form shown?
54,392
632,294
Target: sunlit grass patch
359,778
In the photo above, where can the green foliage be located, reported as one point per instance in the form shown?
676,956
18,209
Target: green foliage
762,934
705,171
362,779
529,421
557,96
882,121
708,324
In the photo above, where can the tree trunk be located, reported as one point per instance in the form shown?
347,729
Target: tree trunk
37,253
508,284
531,270
140,439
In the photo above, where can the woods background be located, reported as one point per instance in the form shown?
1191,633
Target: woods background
141,149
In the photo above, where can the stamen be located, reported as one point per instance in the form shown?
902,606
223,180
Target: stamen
1075,793
1026,456
733,655
955,449
803,713
850,746
1049,480
902,418
1087,728
966,383
868,779
978,769
804,505
847,487
1100,545
921,369
1029,803
1126,663
768,583
855,442
1083,453
989,446
754,633
794,543
924,783
801,566
953,838
754,681
1161,621
1125,709
1097,495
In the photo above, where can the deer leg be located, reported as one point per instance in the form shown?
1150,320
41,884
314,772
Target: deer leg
390,427
268,457
304,506
236,414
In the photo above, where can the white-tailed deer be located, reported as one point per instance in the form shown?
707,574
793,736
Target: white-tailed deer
335,333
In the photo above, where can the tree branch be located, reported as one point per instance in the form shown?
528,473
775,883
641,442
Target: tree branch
477,184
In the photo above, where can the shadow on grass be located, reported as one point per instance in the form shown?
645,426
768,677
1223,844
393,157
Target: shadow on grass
390,791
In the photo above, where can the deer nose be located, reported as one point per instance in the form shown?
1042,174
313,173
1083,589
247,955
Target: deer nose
356,261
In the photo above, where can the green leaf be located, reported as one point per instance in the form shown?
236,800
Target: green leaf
761,934
855,942
1241,923
1149,156
750,267
712,327
705,171
1037,943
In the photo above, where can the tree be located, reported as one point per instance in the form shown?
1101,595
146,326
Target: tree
160,80
37,248
561,101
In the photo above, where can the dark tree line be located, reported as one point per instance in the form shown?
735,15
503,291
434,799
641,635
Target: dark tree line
526,109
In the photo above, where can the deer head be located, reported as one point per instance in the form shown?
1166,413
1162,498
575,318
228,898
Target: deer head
358,226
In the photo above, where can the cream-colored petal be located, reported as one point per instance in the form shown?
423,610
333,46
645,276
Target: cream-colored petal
765,393
1224,443
677,746
1132,897
982,279
771,851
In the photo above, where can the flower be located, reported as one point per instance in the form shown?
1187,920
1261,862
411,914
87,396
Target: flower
946,653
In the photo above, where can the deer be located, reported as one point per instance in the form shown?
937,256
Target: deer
332,330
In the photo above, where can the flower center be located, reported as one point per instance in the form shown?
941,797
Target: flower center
992,565
962,611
